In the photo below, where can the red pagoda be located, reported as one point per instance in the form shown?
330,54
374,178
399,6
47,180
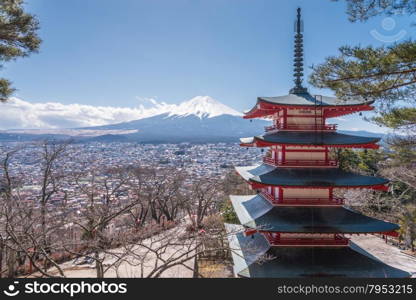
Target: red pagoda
295,221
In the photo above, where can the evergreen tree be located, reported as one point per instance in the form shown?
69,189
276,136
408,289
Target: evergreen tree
400,168
387,73
18,37
362,10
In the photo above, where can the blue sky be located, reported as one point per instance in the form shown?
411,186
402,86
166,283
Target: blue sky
114,53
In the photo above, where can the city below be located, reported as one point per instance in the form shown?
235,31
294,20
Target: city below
195,160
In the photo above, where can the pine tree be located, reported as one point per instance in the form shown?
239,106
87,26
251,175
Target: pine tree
18,37
362,10
386,74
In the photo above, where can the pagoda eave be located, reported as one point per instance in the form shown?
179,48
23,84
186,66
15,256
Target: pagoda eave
248,254
250,231
378,187
263,175
310,139
264,109
259,214
259,143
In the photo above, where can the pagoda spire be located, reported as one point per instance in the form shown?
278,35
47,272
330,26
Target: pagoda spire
298,57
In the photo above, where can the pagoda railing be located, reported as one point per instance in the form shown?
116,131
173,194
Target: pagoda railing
337,240
269,197
303,201
326,127
300,163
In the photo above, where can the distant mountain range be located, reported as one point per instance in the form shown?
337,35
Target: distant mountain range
199,120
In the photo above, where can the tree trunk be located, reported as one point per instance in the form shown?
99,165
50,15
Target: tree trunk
98,265
196,269
11,263
1,258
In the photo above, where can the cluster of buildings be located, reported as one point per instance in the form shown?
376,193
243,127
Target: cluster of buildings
197,160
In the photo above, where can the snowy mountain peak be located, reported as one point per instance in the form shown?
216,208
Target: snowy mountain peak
202,107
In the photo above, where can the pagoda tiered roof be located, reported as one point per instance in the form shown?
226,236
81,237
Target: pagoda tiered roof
315,138
258,213
300,262
332,106
266,175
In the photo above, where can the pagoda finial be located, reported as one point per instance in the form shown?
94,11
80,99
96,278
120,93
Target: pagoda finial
298,58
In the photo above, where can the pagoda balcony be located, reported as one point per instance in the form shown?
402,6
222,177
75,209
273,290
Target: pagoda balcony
300,163
335,201
274,239
303,127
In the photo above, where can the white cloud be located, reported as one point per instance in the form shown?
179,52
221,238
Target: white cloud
21,114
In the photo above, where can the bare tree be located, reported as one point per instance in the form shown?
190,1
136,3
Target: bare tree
203,199
53,174
109,207
163,190
169,253
6,190
31,230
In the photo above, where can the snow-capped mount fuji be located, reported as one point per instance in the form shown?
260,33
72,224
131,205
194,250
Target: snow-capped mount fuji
202,107
201,119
